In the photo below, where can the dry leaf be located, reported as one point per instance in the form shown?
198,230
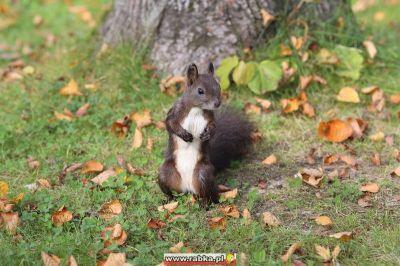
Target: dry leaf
33,164
308,110
348,94
84,14
378,136
290,105
110,209
369,89
323,220
371,49
43,183
310,158
217,223
170,207
10,220
310,176
370,187
364,201
265,104
169,85
267,17
72,261
141,119
285,51
378,101
114,235
61,216
395,98
50,259
133,170
376,159
137,139
3,189
323,252
155,224
176,248
292,249
270,219
150,143
252,108
92,166
330,159
270,160
230,210
71,89
115,259
335,130
100,178
349,160
246,215
229,194
63,116
344,236
335,252
288,72
120,127
82,110
395,172
297,42
358,125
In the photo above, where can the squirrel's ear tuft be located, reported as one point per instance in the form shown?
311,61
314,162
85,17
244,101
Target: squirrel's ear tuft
192,73
211,68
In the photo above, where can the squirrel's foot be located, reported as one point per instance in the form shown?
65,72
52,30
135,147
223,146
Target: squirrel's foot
205,136
187,136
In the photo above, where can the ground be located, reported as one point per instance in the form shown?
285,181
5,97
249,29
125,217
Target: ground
29,128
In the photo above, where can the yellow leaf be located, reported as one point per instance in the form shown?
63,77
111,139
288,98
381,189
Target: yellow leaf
230,194
270,219
323,220
371,49
230,210
110,209
62,116
71,89
137,138
115,259
114,235
335,130
270,160
141,119
61,216
378,136
335,252
92,166
370,187
3,189
176,248
344,236
246,215
217,223
50,259
313,177
267,17
325,253
290,251
348,94
170,207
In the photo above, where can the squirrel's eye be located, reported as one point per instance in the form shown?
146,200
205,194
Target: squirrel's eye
200,90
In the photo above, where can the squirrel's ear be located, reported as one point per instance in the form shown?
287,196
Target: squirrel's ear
192,73
211,68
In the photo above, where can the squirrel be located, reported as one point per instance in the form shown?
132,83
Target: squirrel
202,139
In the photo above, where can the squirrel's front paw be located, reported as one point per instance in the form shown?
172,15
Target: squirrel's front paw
188,137
206,135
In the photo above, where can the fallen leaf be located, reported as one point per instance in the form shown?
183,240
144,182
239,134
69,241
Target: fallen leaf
379,16
72,261
271,159
10,220
169,85
114,235
120,127
270,219
43,183
313,177
364,201
246,215
230,210
292,249
156,224
61,216
335,252
344,236
335,130
325,56
330,159
378,136
310,158
170,207
82,110
369,89
50,259
395,98
115,259
110,209
133,170
142,118
323,220
3,189
84,14
348,94
229,194
223,188
267,17
252,108
285,51
358,125
290,105
265,104
102,177
33,164
297,42
137,139
349,160
71,89
92,166
177,247
63,116
376,159
361,5
371,49
323,252
395,172
370,187
389,140
217,223
150,143
378,101
308,110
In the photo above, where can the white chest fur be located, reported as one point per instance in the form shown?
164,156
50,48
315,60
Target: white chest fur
187,153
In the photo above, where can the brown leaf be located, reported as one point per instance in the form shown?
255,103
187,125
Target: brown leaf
170,207
252,108
313,177
297,42
72,261
290,105
265,104
378,101
229,194
110,209
176,248
155,224
348,94
120,127
308,110
292,249
50,259
349,160
169,85
364,201
323,252
230,210
141,119
389,140
92,166
370,187
137,139
33,164
10,220
246,215
100,178
267,17
63,116
344,236
305,81
114,235
82,110
378,136
115,259
217,223
330,159
61,216
371,49
323,220
310,158
395,172
395,98
71,89
133,170
288,72
369,89
270,219
376,159
358,125
285,51
335,130
336,252
271,159
159,124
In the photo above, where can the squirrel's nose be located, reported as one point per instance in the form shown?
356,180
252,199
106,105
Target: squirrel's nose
217,104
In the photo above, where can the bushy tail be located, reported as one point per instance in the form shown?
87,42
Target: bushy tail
232,139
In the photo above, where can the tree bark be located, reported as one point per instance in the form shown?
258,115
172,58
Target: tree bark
180,32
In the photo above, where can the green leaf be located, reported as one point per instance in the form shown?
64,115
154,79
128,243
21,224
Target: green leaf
351,62
267,76
243,73
225,69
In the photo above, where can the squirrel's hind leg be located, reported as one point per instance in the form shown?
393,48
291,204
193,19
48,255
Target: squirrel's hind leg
205,184
169,179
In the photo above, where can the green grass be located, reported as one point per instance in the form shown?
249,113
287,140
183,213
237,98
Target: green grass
28,128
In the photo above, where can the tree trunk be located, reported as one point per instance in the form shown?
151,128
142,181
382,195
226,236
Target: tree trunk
179,32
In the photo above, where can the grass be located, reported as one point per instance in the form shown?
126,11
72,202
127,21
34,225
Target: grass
29,128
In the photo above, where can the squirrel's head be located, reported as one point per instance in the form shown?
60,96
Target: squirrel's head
203,89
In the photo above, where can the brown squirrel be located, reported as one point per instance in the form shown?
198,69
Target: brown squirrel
201,140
